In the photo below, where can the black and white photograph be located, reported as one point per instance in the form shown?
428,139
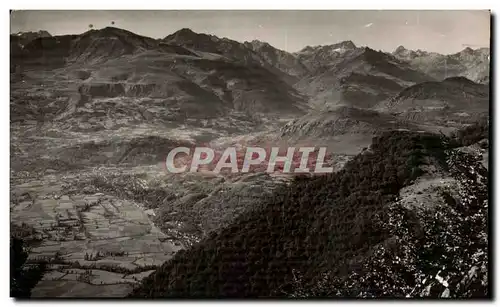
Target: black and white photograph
250,154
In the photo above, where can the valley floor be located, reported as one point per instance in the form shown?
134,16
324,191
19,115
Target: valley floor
118,233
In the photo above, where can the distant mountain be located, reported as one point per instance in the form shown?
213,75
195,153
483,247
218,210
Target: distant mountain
234,51
402,53
110,42
195,74
25,37
91,46
319,56
280,59
43,52
469,63
19,40
359,77
185,76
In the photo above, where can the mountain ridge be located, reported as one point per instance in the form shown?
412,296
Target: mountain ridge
324,76
471,63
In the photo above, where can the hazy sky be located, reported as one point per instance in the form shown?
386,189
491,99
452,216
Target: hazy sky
441,31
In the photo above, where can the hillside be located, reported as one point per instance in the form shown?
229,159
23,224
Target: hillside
455,99
23,38
235,51
357,240
342,120
108,74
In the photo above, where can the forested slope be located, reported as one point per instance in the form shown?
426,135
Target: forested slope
333,223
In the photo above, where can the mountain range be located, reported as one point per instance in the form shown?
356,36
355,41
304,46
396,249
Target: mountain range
469,63
199,75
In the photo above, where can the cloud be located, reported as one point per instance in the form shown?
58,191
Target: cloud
369,25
